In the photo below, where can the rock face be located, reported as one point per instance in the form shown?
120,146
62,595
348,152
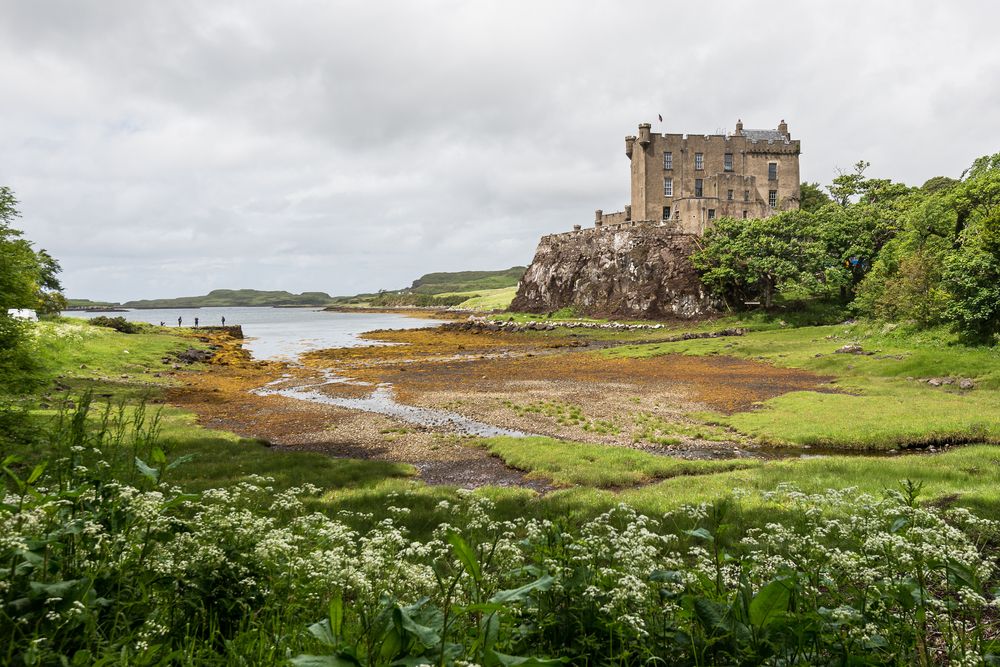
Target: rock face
625,271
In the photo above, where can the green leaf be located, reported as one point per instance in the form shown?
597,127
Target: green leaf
543,583
158,456
152,473
321,631
466,555
494,658
961,574
36,473
181,460
710,614
899,524
769,602
701,533
324,661
408,626
337,614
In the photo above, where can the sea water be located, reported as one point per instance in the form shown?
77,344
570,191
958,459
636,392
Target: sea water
278,333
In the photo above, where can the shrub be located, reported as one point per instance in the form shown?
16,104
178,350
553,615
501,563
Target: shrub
117,323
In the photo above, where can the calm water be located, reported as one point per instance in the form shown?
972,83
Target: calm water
280,333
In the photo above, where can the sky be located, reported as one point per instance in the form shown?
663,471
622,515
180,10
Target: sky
166,147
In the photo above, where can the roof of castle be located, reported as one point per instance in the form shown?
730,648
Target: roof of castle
764,135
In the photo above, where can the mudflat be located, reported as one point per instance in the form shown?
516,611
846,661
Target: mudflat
555,385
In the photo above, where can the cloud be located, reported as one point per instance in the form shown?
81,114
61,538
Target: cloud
171,148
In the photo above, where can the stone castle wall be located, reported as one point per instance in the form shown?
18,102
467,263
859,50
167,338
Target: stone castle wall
634,270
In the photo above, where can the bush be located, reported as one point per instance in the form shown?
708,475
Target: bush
117,323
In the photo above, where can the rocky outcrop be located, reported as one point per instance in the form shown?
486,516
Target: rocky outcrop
627,271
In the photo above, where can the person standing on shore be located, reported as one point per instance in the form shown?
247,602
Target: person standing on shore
179,321
196,323
223,320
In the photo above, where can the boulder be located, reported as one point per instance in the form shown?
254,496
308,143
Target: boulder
966,384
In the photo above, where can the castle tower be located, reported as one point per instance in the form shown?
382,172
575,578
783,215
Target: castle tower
687,180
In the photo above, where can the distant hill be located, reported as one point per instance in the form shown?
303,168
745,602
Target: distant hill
467,281
229,298
80,304
440,289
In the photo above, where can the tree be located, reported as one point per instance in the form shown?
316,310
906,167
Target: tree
750,258
939,184
812,198
979,192
28,279
972,278
972,271
847,185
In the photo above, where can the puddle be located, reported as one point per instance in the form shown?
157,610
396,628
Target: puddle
382,402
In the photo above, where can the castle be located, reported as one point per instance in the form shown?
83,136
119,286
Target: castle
685,180
634,263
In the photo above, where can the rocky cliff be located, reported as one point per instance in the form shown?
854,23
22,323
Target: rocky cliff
626,271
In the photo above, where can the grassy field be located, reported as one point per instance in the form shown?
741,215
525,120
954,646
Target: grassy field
485,300
159,536
879,407
877,400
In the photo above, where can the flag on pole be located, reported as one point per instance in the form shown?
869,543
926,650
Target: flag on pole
661,117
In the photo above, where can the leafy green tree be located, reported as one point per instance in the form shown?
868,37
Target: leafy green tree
743,260
972,271
972,277
939,184
812,198
28,279
979,192
905,279
848,184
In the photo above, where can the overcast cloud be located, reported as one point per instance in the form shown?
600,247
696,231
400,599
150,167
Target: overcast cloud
167,148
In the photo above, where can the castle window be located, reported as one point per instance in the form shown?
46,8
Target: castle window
772,198
711,214
668,160
699,160
729,162
772,171
746,195
744,215
666,212
698,187
729,195
668,187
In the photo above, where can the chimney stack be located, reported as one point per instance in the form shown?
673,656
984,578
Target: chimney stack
739,127
783,128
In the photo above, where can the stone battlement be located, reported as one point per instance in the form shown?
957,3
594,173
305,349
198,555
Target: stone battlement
670,226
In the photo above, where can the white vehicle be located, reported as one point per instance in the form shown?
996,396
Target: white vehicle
23,314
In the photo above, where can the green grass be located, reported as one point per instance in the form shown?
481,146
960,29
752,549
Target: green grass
879,406
497,299
967,476
575,463
887,405
84,354
564,414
